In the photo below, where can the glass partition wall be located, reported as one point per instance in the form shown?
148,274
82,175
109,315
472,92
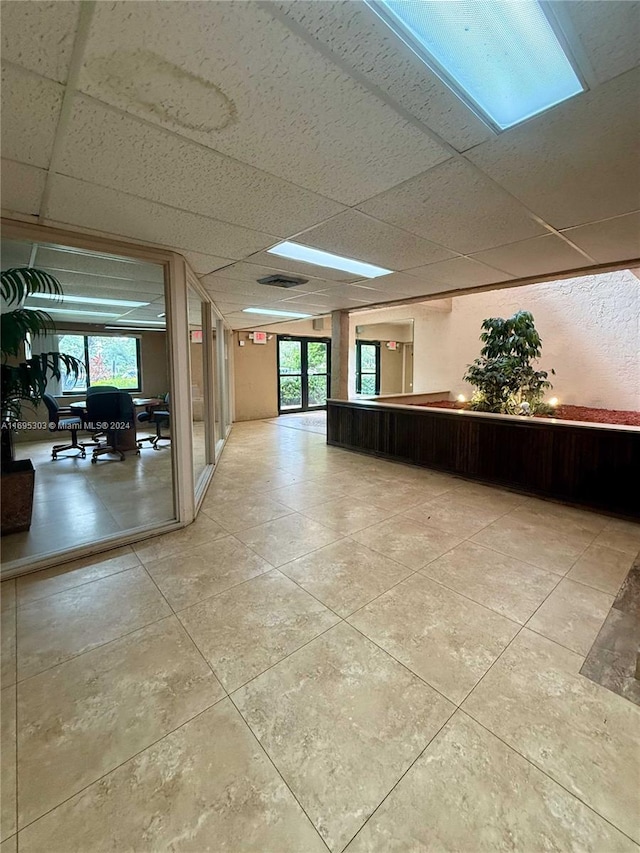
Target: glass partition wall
116,479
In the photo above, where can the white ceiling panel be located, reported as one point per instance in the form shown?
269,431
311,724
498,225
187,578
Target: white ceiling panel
609,33
460,272
356,235
357,37
39,36
455,206
115,150
534,257
398,285
612,240
203,264
22,187
30,109
78,203
235,289
577,163
251,270
232,77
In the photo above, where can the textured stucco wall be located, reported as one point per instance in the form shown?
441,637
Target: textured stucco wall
590,330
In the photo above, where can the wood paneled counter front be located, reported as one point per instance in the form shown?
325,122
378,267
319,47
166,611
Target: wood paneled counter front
594,465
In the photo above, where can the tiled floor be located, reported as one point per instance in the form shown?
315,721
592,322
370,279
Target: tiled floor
340,653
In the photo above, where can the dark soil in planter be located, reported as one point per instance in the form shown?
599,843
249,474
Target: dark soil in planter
567,413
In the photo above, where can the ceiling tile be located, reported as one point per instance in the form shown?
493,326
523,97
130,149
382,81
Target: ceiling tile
107,147
356,235
539,256
79,203
22,187
456,206
90,264
214,72
460,272
576,163
358,38
263,264
236,288
609,33
611,240
203,264
39,36
33,105
400,284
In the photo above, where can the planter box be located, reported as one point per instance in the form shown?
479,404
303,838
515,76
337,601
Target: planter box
17,483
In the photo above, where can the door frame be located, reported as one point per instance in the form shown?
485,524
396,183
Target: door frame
359,344
304,342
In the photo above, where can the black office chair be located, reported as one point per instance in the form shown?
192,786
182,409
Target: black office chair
161,417
63,419
98,389
103,412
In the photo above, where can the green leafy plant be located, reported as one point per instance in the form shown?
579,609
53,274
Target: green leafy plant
25,379
503,375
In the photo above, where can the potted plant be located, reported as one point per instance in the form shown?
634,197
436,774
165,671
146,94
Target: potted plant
504,376
24,379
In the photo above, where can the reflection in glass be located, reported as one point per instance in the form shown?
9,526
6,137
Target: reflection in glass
290,357
290,392
317,390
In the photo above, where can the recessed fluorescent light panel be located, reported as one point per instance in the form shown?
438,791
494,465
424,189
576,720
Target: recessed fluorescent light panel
75,312
276,313
297,252
501,57
88,300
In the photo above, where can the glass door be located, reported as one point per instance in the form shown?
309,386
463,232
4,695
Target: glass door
368,367
303,373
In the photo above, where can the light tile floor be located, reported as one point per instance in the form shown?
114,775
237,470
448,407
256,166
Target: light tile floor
340,653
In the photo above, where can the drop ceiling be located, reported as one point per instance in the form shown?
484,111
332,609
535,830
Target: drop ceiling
219,129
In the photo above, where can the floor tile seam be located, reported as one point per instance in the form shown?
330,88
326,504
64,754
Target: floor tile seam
188,633
557,642
307,592
227,589
405,666
306,553
542,770
123,762
281,776
594,588
251,526
360,529
495,550
182,552
93,648
286,657
455,710
20,605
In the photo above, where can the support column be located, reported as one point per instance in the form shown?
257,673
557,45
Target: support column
340,355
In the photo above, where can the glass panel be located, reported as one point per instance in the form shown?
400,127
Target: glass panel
368,358
317,390
368,383
130,486
290,392
113,361
198,408
290,357
316,357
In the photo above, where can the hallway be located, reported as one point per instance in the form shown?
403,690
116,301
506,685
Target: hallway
340,652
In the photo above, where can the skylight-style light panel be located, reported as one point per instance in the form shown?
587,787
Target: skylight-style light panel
502,57
89,300
275,313
308,255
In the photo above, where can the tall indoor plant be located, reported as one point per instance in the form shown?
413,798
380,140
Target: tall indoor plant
503,375
24,380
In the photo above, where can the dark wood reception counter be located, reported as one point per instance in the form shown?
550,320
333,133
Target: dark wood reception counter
593,465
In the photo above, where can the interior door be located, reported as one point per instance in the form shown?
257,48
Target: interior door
303,373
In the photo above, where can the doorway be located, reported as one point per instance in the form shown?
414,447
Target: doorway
368,367
304,370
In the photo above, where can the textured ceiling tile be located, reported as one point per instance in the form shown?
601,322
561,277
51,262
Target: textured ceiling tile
39,36
355,34
78,203
250,273
539,256
30,109
460,272
577,163
203,264
272,263
233,78
609,33
358,236
398,285
118,151
612,240
456,206
22,187
235,288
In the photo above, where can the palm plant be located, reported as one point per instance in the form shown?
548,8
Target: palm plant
25,379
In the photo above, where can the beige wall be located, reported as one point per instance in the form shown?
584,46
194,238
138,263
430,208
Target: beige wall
255,370
391,369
